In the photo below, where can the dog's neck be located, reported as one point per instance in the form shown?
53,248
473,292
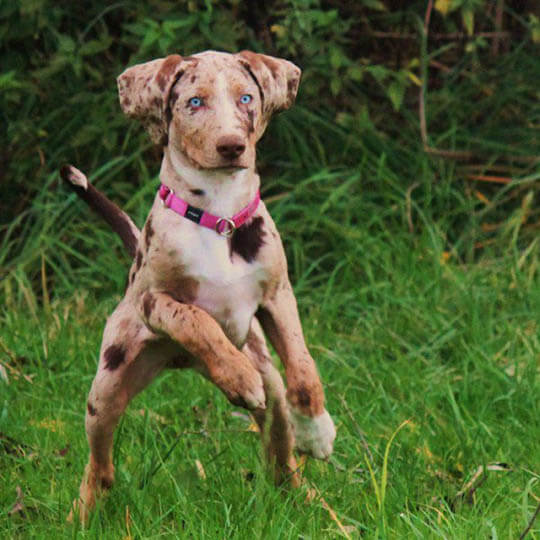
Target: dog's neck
222,192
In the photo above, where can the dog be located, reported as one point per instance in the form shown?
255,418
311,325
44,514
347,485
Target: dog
209,274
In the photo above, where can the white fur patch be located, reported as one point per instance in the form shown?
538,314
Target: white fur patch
78,178
314,435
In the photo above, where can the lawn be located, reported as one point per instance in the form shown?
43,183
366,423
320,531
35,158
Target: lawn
404,333
417,277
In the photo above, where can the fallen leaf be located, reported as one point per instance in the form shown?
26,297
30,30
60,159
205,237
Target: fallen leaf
154,416
481,197
18,506
253,427
477,479
128,522
443,6
242,416
498,467
334,517
200,470
3,374
63,451
10,446
56,426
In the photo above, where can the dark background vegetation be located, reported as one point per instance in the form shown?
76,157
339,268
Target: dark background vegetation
367,67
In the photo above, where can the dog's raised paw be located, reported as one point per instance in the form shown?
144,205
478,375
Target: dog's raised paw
245,389
251,398
314,435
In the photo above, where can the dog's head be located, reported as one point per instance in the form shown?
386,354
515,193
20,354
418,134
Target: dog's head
212,107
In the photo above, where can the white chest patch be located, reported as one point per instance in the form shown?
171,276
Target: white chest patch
228,288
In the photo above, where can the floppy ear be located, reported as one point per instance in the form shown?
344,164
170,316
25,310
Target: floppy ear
144,92
276,78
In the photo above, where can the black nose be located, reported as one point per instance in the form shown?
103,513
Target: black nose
230,146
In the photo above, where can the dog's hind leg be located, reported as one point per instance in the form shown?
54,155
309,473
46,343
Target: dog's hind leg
274,424
130,358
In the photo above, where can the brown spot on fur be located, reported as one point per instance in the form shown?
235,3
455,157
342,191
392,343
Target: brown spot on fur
304,400
184,290
308,397
149,303
106,483
138,260
123,326
181,361
114,356
173,97
167,69
292,87
248,239
197,192
239,401
251,123
247,66
91,409
272,65
193,78
148,232
171,100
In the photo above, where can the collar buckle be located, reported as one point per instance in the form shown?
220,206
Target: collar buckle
164,192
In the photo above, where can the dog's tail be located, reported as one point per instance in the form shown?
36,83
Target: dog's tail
119,221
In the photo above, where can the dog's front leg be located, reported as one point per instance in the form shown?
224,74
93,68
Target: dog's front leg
314,429
197,332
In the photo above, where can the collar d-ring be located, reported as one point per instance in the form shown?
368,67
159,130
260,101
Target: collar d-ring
229,228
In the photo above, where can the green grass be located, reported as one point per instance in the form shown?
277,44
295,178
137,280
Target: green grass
415,311
398,333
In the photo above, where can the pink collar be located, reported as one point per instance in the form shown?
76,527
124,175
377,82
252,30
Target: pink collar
222,225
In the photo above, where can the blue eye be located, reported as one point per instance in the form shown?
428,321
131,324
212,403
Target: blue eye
196,102
245,99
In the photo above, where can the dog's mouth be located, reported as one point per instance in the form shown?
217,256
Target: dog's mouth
229,168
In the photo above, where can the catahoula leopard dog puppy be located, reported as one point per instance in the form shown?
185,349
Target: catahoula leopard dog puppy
209,276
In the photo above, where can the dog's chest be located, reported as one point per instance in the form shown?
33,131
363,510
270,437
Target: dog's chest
196,266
